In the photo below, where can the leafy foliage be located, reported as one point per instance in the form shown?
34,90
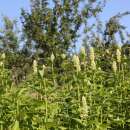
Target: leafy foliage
56,28
86,99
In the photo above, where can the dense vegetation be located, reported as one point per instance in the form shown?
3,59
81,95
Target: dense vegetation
82,96
46,85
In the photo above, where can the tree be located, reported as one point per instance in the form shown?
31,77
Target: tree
53,26
113,26
8,36
17,59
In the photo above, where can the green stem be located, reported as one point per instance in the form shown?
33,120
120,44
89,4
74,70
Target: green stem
1,127
46,102
78,90
52,67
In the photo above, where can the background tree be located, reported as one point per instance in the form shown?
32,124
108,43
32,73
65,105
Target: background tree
8,35
55,28
17,57
9,39
113,27
107,38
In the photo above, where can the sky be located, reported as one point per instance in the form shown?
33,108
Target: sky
12,9
115,6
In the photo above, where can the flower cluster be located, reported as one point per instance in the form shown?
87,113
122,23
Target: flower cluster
76,63
84,108
92,58
118,55
114,66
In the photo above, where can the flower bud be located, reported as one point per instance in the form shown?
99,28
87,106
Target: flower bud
41,72
76,62
84,112
99,68
92,57
43,67
114,66
1,64
107,51
74,58
35,66
52,57
118,55
82,51
63,56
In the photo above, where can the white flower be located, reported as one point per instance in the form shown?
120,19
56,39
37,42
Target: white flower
107,51
118,55
52,57
43,67
74,59
76,62
1,63
92,57
82,51
35,66
63,56
84,109
41,72
99,69
114,66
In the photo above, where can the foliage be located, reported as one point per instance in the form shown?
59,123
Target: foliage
55,28
9,35
78,99
44,86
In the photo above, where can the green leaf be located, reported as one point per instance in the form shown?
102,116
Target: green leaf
16,126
